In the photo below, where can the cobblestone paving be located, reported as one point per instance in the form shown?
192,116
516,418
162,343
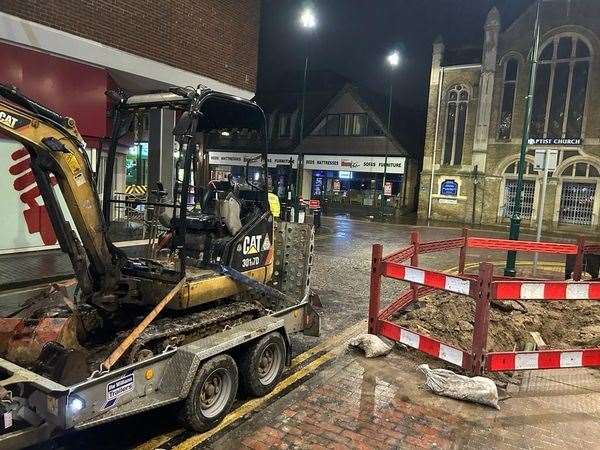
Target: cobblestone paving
379,404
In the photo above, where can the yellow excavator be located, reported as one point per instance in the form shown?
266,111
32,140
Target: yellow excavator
215,260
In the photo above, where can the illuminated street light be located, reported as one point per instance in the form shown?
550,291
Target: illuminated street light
393,58
308,18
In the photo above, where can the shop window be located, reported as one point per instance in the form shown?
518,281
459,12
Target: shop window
353,124
285,125
561,88
456,117
136,164
511,69
333,125
342,125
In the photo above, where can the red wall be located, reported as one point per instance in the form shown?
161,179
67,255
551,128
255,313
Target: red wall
70,88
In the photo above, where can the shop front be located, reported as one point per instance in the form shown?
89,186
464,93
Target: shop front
282,168
356,180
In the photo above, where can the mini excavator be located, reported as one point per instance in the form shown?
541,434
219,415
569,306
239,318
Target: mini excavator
218,250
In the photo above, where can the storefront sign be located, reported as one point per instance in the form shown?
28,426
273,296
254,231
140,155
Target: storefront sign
387,189
373,164
449,188
558,141
240,159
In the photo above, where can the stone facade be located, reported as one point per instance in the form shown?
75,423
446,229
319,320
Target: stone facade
571,201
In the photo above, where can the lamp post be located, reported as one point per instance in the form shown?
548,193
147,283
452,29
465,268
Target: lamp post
393,59
308,21
515,220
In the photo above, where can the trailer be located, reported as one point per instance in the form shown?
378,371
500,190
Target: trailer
202,376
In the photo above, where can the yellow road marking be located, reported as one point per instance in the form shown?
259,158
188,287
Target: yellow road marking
328,344
156,442
253,404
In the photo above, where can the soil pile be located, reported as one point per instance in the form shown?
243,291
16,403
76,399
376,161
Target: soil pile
449,318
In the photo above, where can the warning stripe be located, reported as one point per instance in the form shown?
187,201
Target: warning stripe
427,278
424,344
517,290
543,359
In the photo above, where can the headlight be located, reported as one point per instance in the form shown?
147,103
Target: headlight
76,404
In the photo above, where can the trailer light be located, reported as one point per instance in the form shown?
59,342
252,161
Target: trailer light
76,404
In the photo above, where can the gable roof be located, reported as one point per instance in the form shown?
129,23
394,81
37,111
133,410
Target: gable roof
406,125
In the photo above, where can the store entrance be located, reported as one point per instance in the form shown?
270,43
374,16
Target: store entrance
356,191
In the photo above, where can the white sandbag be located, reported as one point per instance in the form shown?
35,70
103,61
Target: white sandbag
372,345
449,384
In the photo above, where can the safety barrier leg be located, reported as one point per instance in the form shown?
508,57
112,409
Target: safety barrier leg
414,260
578,269
463,252
482,316
375,295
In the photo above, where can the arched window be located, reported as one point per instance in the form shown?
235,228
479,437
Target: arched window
510,190
578,193
560,89
458,99
511,70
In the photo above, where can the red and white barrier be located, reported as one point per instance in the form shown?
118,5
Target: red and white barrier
424,344
428,278
527,290
546,359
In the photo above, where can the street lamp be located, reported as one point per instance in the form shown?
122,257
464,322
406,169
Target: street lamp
515,220
393,59
308,21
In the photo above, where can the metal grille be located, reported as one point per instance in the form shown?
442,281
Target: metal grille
577,203
510,191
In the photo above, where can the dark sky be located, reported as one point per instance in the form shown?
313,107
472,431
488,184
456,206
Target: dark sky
354,36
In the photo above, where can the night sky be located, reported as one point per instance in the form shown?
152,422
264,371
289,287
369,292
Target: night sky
353,38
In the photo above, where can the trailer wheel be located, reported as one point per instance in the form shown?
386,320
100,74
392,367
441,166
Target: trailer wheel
212,393
262,365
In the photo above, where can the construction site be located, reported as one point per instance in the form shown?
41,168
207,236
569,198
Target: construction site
202,247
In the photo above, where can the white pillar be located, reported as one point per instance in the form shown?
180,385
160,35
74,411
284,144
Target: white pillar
486,88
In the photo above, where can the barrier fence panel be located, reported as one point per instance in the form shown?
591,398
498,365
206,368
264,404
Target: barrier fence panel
484,288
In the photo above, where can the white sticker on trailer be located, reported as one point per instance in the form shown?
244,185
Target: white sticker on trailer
117,388
8,419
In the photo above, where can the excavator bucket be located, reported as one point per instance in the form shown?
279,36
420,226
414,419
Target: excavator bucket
22,340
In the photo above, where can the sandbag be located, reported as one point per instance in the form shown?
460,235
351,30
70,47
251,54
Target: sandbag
372,345
449,384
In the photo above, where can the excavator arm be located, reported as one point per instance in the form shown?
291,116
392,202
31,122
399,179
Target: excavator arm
56,148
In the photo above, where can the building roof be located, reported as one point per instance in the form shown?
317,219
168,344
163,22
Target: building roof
324,88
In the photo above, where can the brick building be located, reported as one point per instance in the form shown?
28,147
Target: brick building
67,53
475,121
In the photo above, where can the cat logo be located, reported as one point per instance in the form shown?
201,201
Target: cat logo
251,244
11,121
266,243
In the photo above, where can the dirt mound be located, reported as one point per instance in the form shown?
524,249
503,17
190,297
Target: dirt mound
449,318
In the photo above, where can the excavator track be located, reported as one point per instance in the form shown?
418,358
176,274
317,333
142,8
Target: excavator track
180,330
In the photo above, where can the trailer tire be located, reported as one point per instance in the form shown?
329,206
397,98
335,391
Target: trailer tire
212,393
261,366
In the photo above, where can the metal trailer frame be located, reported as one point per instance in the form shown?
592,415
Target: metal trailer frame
166,378
483,287
161,380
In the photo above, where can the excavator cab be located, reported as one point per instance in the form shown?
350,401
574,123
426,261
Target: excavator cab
207,223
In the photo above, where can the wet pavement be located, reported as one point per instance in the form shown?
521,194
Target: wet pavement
334,398
364,403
